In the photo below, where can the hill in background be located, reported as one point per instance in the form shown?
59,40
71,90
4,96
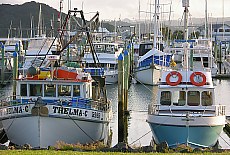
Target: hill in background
18,17
16,20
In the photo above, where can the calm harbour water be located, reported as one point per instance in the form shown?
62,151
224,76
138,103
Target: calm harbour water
139,97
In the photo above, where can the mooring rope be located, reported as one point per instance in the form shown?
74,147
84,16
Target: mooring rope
81,128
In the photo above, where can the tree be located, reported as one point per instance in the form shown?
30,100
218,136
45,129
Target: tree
166,32
178,34
195,35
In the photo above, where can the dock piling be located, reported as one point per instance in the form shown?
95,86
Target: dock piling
15,70
121,136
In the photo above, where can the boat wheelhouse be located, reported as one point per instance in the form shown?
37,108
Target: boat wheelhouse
107,55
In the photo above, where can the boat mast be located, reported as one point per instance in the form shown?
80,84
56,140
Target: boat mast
156,17
31,26
206,20
185,4
39,21
139,13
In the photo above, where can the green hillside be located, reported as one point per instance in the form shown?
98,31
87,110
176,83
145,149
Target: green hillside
18,17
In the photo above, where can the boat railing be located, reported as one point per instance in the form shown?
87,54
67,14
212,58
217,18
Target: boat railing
100,104
153,109
220,110
215,110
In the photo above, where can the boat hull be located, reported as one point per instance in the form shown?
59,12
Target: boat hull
193,133
149,76
41,132
111,77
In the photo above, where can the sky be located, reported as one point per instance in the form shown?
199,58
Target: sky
121,9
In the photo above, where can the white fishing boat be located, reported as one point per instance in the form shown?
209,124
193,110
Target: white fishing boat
186,111
150,65
38,47
106,55
57,104
202,54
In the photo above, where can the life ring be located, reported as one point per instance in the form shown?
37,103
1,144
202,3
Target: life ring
173,73
192,77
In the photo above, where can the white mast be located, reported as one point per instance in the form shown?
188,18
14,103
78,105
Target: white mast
156,17
40,21
206,20
185,4
31,26
139,13
223,19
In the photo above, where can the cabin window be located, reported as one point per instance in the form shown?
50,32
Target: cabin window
193,98
35,89
76,91
50,90
179,98
112,66
205,58
23,90
196,58
64,90
165,98
205,64
206,98
221,30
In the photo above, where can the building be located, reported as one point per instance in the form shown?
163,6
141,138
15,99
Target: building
220,32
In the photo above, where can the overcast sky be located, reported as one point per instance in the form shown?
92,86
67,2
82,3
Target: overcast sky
121,9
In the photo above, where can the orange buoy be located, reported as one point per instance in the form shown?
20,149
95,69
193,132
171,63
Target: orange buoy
200,74
174,74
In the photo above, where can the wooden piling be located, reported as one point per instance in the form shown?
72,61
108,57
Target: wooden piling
121,136
126,78
15,70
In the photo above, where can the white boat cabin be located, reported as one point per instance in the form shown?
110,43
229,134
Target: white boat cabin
183,97
48,89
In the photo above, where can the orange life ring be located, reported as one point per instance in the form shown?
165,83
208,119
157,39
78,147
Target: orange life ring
192,76
172,74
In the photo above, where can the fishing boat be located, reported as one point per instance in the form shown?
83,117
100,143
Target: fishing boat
38,47
186,111
202,54
57,104
107,58
5,66
151,63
